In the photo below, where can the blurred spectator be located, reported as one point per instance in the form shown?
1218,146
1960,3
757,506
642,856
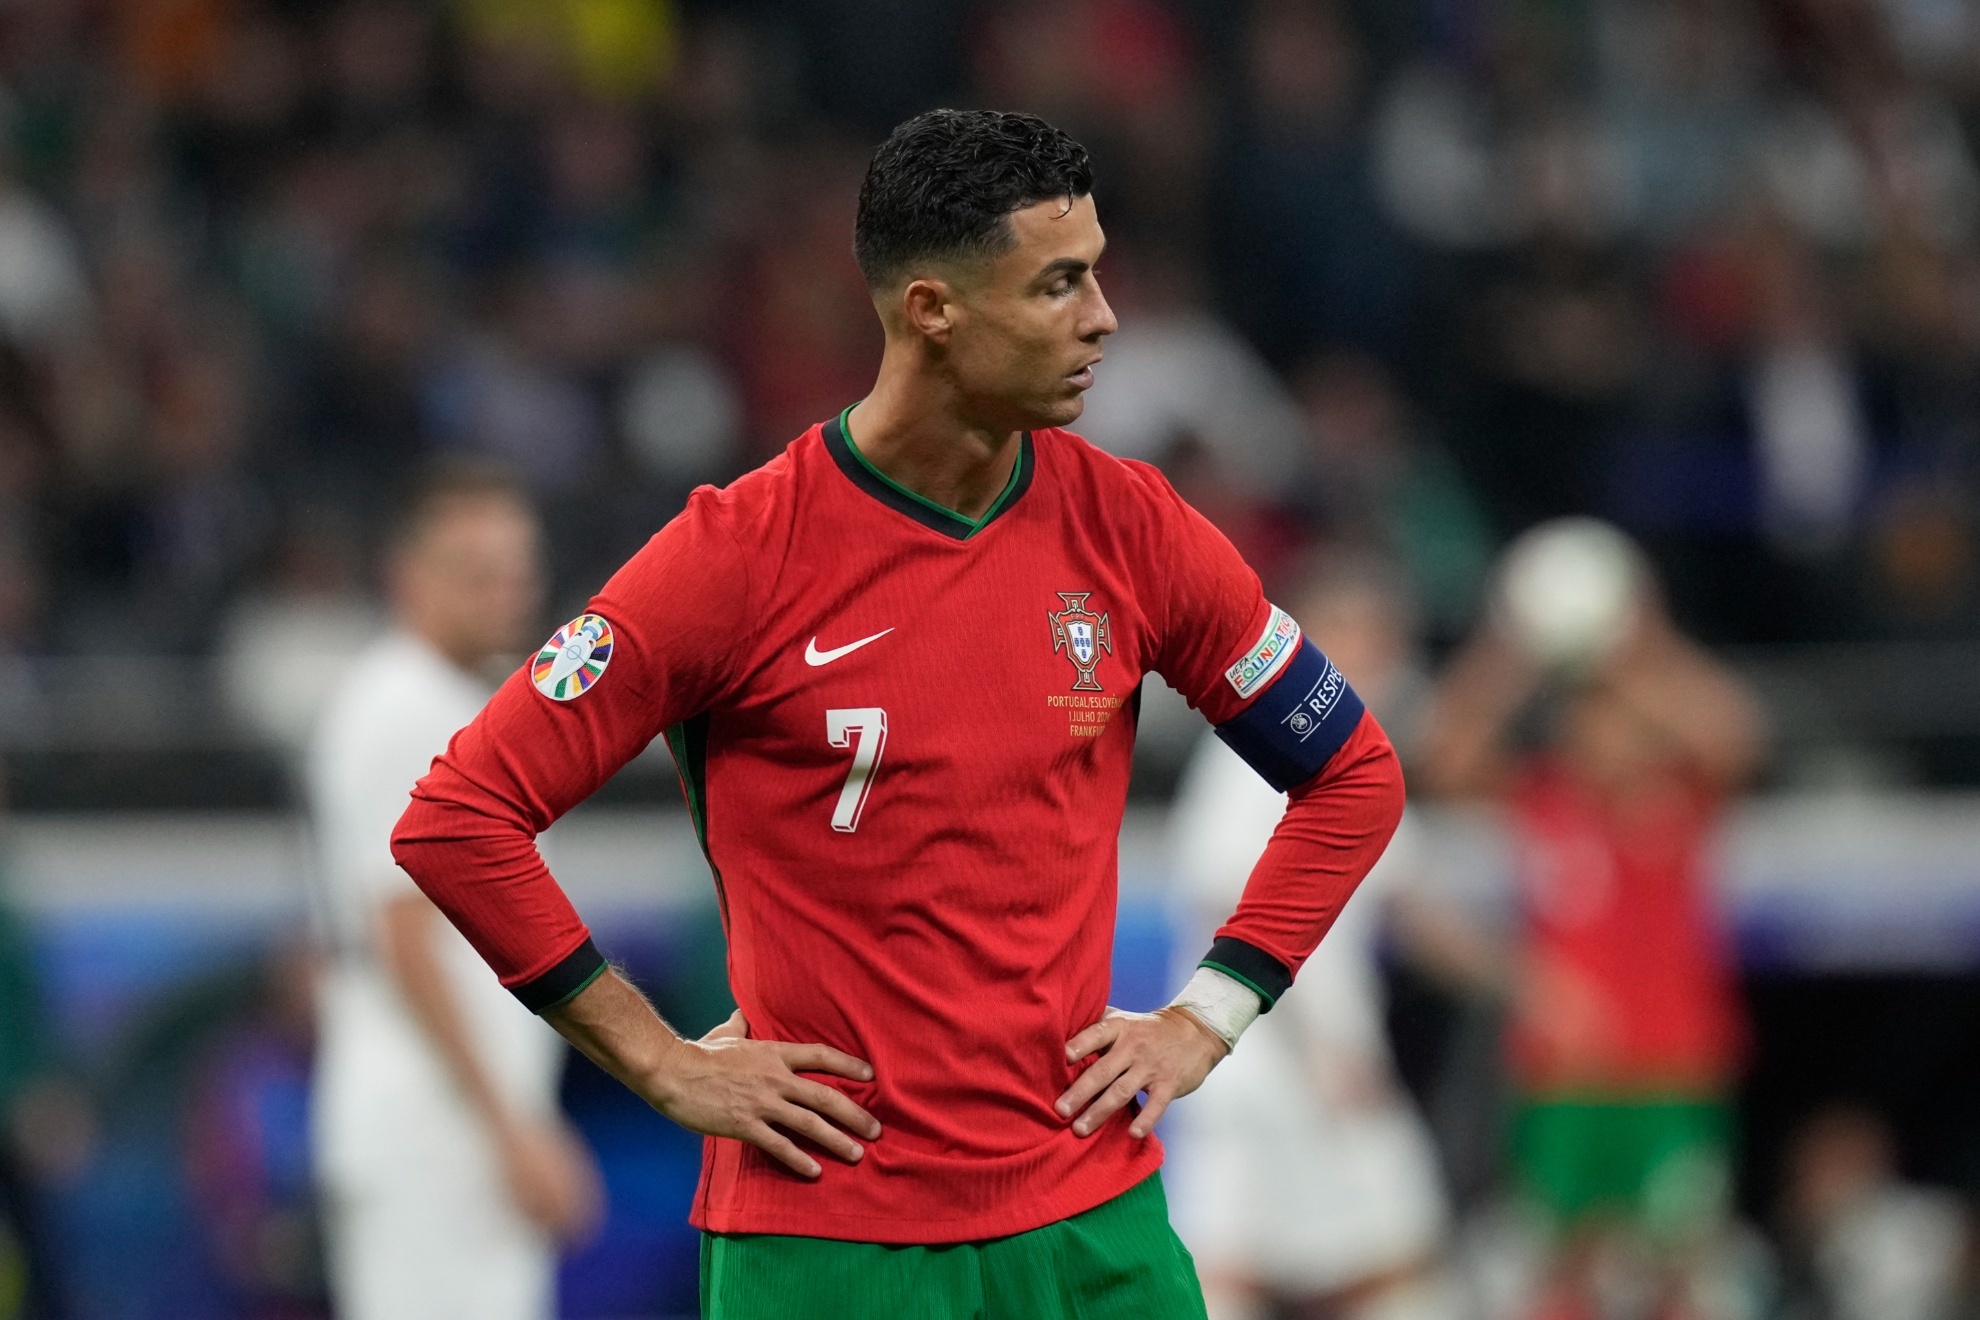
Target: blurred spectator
1300,232
1811,434
1626,1032
246,1150
258,257
682,417
1378,480
285,646
1269,539
44,294
1551,350
1174,367
798,330
506,393
1126,78
1862,1244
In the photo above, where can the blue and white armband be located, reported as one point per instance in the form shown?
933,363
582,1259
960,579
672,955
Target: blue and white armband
1304,709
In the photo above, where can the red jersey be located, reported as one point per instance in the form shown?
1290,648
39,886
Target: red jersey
1630,969
905,738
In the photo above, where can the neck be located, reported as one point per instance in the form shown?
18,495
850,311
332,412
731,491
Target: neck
915,429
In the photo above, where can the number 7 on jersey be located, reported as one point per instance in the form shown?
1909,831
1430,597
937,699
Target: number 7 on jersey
870,724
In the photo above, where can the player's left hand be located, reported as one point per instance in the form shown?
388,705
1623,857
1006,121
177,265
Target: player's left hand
1166,1053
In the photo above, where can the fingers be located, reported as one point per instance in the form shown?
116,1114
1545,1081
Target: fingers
1151,1114
781,1148
1093,1040
1111,1100
806,1124
1090,1083
835,1106
823,1058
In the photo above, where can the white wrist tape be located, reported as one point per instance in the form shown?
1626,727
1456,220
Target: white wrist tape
1226,1005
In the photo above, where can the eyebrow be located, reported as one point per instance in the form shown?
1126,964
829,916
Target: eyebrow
1064,265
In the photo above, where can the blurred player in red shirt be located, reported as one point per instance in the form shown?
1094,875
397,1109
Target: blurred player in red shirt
1613,742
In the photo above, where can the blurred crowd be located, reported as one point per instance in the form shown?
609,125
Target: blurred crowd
1411,274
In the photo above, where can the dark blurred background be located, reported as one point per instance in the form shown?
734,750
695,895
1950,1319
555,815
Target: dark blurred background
1396,277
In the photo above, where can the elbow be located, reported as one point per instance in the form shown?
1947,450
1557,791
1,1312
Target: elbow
413,838
1368,771
1388,790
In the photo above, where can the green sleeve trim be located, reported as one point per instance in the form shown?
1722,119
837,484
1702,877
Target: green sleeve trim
581,987
1266,1000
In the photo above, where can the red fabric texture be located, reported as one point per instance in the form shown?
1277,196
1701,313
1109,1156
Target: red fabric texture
1335,828
1630,982
962,932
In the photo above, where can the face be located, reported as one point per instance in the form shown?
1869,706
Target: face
1021,333
1610,743
471,582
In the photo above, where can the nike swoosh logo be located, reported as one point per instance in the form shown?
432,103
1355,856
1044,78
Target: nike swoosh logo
814,657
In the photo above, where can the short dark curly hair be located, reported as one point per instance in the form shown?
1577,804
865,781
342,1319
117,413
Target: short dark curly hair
943,186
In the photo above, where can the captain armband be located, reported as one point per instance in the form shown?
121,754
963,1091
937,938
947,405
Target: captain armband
1297,724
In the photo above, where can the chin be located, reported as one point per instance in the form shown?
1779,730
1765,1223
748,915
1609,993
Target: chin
1058,412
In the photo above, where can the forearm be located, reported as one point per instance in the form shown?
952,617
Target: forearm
1698,706
1471,715
1334,830
611,1023
482,870
405,935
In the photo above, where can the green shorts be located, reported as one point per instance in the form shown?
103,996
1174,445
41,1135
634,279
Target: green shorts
1117,1261
1661,1164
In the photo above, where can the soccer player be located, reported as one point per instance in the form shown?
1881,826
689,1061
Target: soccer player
1625,1028
447,1174
897,666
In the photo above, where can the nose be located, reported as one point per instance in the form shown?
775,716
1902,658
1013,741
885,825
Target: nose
1103,322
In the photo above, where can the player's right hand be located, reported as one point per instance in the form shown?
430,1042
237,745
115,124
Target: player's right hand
552,1177
727,1085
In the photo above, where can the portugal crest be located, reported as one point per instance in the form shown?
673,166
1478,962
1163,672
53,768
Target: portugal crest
1082,635
573,659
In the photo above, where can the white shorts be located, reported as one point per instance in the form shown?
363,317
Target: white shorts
1270,1180
421,1253
418,1218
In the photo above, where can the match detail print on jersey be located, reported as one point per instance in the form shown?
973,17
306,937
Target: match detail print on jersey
1082,634
815,657
573,659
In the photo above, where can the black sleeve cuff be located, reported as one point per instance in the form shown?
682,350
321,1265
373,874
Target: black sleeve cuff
578,969
1252,965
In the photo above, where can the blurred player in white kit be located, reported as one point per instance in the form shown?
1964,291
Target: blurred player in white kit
449,1176
1305,1184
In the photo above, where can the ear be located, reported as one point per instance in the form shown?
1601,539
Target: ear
929,307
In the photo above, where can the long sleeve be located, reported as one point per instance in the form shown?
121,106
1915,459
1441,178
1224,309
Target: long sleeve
652,649
1276,699
1335,828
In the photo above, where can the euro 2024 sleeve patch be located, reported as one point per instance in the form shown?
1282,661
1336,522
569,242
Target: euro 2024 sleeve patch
573,659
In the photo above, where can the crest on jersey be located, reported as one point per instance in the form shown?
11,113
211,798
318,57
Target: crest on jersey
573,659
1082,635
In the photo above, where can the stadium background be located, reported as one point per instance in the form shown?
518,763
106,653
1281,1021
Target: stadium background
1401,275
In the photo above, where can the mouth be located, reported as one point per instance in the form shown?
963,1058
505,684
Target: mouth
1083,378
